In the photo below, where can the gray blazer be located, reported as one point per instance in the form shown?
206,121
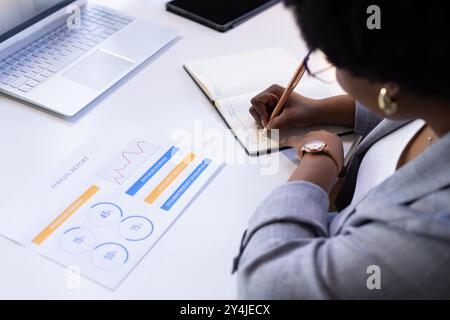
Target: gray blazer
393,244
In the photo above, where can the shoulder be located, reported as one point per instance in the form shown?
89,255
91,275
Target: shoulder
428,215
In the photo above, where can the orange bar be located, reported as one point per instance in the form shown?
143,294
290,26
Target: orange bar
169,179
65,215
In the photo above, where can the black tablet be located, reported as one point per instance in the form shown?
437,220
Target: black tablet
221,15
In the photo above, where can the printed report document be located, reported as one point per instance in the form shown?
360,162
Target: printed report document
103,208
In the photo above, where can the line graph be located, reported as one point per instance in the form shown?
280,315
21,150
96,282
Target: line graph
120,172
123,164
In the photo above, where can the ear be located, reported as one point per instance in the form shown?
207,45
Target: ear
393,89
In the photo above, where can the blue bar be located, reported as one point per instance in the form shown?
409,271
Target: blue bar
185,185
152,171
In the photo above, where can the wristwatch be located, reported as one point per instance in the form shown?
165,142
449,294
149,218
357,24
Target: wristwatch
320,147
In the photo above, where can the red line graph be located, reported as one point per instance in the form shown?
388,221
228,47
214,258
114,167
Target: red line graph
128,162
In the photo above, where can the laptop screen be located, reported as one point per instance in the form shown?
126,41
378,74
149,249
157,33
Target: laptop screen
17,15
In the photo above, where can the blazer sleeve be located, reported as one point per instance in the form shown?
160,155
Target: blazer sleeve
288,253
365,121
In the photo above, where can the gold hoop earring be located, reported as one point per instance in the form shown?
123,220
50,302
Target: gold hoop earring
386,103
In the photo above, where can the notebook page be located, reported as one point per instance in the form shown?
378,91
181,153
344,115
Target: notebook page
314,89
243,73
236,113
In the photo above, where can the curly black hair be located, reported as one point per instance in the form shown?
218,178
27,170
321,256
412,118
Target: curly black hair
412,47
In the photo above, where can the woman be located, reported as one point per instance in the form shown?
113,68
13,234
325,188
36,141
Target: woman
391,237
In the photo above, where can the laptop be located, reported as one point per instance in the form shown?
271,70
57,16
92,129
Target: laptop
63,54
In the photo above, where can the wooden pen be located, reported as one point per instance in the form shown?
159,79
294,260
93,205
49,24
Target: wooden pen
290,88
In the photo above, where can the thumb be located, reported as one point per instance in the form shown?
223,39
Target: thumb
280,122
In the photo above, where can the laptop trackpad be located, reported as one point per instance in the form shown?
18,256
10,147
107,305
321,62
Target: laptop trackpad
98,70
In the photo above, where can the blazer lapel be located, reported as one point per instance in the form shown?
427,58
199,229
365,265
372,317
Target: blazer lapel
383,129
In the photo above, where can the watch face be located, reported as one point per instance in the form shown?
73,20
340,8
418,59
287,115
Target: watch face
315,146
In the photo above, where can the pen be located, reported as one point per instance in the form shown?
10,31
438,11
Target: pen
290,88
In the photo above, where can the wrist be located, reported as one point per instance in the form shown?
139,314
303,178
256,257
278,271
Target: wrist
317,169
327,146
321,162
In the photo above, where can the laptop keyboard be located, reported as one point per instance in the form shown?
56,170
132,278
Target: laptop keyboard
32,65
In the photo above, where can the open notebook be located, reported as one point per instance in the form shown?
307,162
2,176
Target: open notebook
230,82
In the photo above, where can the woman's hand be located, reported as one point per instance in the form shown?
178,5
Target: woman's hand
300,111
321,169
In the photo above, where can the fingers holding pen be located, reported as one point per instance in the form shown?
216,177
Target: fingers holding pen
263,106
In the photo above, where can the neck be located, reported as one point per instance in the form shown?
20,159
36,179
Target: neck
437,116
439,127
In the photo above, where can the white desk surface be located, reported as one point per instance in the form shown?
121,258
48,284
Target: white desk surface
193,260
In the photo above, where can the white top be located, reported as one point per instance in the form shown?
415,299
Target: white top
381,160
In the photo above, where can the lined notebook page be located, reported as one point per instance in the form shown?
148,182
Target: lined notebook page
314,89
238,74
235,110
